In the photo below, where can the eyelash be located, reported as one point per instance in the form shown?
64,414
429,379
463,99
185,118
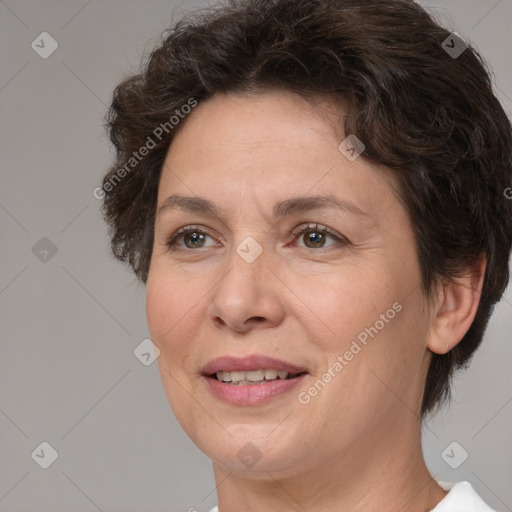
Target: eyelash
297,232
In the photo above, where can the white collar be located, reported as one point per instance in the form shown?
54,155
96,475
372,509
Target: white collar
461,497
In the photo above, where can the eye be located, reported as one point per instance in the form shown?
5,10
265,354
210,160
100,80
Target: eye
192,235
315,235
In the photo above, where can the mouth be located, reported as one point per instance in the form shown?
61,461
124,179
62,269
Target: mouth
249,369
251,380
253,377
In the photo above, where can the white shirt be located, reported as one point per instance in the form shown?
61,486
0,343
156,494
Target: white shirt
461,497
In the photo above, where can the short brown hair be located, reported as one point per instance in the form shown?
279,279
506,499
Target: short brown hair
429,117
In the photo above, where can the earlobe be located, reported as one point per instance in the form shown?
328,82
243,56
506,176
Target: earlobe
456,309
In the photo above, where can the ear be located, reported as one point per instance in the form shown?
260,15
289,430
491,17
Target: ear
455,309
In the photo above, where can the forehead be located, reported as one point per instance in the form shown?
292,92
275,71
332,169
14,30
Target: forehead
271,145
274,121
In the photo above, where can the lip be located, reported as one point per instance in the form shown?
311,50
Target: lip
253,394
248,363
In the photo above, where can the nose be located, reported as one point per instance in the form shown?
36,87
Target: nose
248,293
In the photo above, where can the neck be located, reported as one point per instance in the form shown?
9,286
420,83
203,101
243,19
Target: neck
386,475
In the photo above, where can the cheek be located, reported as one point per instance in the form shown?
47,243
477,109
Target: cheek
367,315
339,303
167,305
157,299
166,312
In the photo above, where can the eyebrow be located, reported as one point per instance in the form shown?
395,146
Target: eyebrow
281,209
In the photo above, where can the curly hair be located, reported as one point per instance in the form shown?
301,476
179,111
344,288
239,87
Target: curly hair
430,117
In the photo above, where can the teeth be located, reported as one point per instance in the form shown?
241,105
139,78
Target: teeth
237,376
254,376
251,376
271,374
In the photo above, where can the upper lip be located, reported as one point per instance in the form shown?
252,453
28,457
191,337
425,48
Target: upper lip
248,363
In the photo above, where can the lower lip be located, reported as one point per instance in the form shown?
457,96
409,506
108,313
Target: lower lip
251,394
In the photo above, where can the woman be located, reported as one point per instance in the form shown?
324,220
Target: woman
312,192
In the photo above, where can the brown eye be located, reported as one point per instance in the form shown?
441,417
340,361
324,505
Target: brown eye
314,236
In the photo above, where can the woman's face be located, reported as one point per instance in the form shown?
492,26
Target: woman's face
330,290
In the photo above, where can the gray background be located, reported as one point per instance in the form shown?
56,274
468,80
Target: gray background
69,326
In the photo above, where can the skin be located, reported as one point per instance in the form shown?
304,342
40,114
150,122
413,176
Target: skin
357,444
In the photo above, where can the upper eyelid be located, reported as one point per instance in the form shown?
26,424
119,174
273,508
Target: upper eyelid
315,225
